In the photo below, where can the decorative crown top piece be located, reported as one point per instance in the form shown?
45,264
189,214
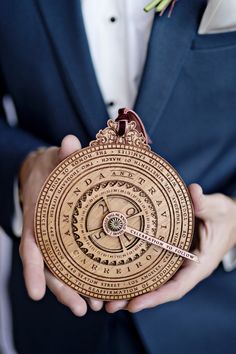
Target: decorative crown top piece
127,129
110,135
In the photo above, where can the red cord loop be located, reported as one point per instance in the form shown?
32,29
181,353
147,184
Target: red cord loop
125,116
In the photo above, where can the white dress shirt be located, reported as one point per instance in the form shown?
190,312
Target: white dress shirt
118,32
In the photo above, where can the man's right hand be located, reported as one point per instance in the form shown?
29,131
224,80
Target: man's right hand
35,169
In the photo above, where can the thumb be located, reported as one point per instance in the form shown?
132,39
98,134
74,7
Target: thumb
204,205
69,145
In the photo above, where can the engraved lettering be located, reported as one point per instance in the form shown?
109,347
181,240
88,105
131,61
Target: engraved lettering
99,235
163,227
77,191
88,181
152,190
66,218
141,180
122,173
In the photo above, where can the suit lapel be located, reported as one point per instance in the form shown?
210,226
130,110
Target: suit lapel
64,26
169,44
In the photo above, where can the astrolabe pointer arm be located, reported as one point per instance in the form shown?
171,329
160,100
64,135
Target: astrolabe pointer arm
162,244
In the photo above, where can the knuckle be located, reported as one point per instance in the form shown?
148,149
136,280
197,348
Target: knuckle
179,295
208,272
52,150
178,292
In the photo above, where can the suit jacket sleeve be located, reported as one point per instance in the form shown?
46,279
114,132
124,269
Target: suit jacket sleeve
15,144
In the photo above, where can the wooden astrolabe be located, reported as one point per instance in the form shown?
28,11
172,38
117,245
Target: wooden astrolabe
114,220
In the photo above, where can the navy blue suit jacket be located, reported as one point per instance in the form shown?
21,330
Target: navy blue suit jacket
187,100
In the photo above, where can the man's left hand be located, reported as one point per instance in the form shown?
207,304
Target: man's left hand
217,233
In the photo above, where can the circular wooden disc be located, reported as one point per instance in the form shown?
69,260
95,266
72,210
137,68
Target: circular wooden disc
126,180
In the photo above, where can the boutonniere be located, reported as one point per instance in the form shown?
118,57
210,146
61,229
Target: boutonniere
161,6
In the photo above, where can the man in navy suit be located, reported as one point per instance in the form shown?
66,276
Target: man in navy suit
187,100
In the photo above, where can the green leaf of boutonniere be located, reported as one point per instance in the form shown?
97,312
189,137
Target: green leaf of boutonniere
161,6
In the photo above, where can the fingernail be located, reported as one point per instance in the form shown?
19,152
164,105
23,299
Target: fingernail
35,293
78,311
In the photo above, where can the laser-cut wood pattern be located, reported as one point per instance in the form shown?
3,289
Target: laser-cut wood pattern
102,206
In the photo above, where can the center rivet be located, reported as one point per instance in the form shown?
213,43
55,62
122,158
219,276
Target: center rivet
114,224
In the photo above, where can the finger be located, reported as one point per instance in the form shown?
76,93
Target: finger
114,306
94,304
184,281
66,295
196,195
69,145
33,266
32,260
204,205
